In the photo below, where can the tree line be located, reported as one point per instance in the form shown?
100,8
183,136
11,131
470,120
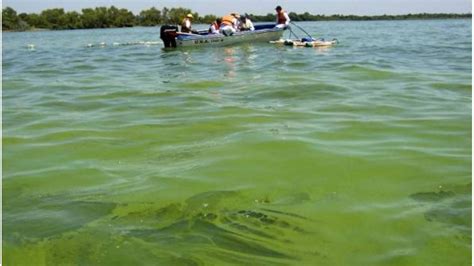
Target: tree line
309,17
113,17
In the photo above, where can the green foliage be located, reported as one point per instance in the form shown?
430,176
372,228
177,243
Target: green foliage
108,17
150,17
266,18
208,19
55,18
89,18
309,17
176,15
72,20
9,19
122,18
34,20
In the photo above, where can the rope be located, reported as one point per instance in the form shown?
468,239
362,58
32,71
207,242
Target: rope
301,29
292,32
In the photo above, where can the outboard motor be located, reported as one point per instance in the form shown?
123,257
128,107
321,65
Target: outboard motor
168,35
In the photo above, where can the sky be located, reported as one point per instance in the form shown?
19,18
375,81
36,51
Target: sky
258,7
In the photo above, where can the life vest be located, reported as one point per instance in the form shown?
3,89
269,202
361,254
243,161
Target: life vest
184,28
281,17
215,25
228,20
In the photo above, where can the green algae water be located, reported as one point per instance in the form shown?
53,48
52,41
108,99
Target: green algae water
117,152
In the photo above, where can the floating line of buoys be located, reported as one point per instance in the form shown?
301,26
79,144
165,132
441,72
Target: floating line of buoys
103,44
305,42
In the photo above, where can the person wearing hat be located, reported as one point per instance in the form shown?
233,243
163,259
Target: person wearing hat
230,24
186,24
282,18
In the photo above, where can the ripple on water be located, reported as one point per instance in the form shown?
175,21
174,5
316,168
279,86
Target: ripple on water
252,154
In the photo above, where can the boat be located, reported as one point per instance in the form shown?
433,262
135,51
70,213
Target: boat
173,38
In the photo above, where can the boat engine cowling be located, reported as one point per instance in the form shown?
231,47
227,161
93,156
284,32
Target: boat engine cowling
168,35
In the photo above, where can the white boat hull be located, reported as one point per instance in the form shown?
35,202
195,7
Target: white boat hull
262,33
236,38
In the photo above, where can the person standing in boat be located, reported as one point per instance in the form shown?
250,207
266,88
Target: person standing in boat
230,24
215,26
186,24
282,18
246,23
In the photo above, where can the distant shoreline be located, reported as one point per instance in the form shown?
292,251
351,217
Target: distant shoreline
354,20
112,17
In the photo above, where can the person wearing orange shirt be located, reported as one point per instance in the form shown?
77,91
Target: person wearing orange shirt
230,24
282,18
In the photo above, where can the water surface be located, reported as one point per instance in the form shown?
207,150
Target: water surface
124,153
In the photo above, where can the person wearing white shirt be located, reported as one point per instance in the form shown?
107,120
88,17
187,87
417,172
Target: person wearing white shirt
215,26
246,23
186,24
